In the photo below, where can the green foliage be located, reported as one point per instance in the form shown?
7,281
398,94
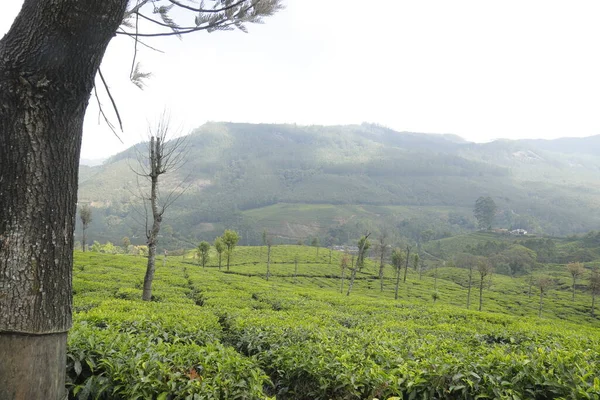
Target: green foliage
230,240
485,211
218,335
202,252
304,181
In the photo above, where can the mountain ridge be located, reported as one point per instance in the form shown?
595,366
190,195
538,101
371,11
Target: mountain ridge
237,171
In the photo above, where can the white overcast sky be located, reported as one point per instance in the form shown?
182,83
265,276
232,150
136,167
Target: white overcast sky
480,69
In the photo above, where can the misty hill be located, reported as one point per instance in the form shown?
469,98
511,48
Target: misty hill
301,181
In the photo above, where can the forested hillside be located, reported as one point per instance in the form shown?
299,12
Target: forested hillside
335,182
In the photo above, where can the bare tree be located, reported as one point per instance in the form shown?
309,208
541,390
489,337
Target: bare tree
484,268
576,270
543,283
469,262
85,214
363,246
163,156
382,249
49,60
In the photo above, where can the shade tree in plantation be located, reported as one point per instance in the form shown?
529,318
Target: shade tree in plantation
382,249
484,212
269,243
543,283
49,59
397,262
344,264
315,243
329,242
594,288
161,157
230,239
126,243
576,270
407,260
85,215
202,252
470,263
363,246
220,249
484,268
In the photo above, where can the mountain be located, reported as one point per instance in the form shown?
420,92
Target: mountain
301,181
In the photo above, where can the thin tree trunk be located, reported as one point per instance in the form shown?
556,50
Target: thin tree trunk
435,277
48,61
481,294
343,273
381,259
330,251
469,289
574,279
220,254
541,303
352,276
407,259
593,304
398,270
83,239
153,233
268,261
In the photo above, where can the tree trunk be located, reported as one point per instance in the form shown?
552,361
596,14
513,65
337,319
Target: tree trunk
153,232
593,304
481,294
268,261
407,259
330,251
352,276
83,239
220,254
574,279
541,303
398,270
343,276
48,61
469,289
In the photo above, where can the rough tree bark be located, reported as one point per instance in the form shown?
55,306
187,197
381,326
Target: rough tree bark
48,61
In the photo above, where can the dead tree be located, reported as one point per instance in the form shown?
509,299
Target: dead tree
163,156
362,249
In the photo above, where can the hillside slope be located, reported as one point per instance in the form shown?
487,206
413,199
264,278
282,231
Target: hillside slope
301,181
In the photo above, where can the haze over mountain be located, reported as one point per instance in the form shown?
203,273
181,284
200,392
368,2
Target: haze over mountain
338,181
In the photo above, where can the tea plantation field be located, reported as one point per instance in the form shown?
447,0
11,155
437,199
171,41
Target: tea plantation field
213,334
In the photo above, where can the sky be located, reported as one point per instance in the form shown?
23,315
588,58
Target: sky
480,69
